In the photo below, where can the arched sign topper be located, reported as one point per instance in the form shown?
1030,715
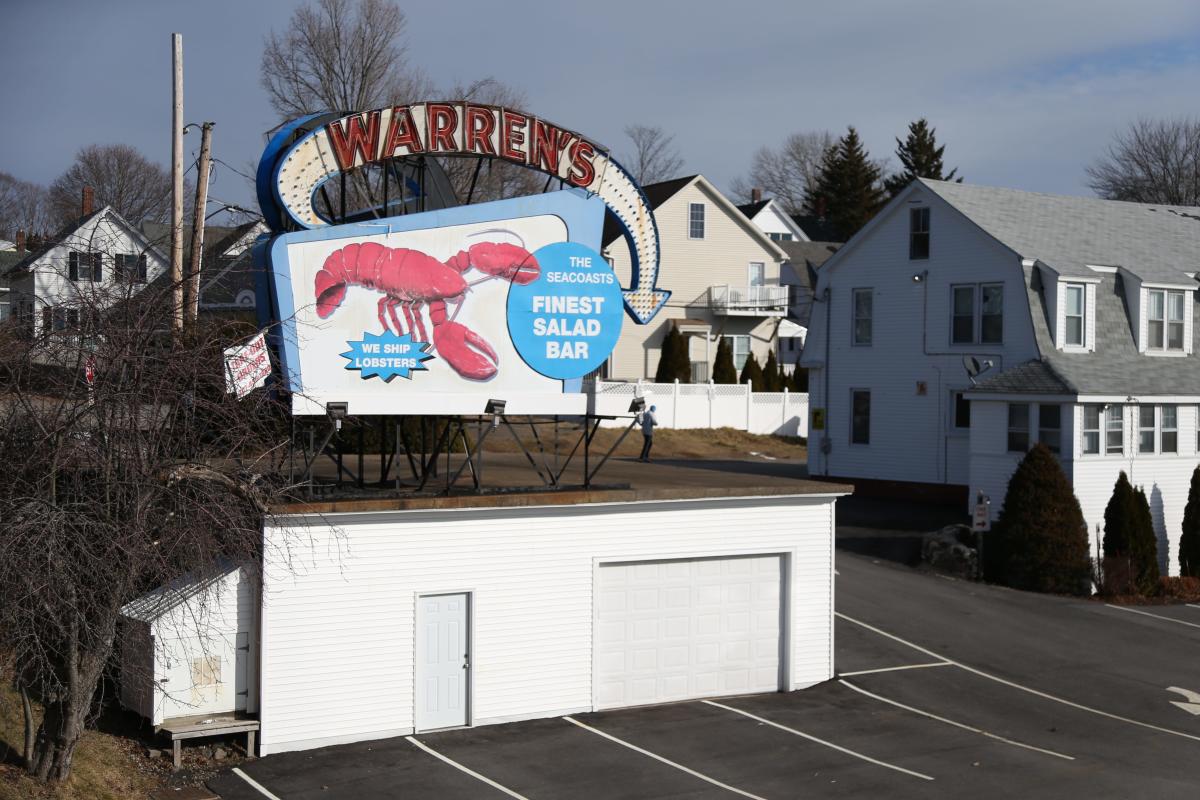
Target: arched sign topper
473,130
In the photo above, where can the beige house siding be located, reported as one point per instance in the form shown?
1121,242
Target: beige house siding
688,267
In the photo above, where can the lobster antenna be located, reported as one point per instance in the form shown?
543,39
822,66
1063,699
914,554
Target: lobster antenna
506,231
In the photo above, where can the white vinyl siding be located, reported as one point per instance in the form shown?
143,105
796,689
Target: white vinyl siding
338,620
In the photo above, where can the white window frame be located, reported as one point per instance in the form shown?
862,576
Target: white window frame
1097,431
919,225
1115,411
695,220
1068,316
869,318
1147,433
977,290
1026,431
1163,430
734,338
1164,338
1041,428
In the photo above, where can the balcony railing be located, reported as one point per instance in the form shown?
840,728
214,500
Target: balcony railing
758,301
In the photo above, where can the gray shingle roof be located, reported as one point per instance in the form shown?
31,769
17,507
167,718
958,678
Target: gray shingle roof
1155,242
1032,377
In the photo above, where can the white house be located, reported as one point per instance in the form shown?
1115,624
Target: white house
723,272
1080,312
772,219
442,613
90,264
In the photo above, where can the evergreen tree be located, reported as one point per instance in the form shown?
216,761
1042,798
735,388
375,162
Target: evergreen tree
1130,551
752,372
847,187
920,157
1189,542
674,362
724,370
772,375
1040,541
799,379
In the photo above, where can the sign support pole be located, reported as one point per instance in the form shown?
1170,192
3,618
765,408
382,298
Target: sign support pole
177,183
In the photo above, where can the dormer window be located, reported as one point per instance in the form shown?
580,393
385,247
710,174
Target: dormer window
1164,320
1075,310
918,233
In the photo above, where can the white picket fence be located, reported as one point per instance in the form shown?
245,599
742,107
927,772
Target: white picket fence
715,405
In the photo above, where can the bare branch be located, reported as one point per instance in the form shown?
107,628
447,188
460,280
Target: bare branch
654,157
1151,161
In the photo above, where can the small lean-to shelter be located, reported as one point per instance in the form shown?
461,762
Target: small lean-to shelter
188,648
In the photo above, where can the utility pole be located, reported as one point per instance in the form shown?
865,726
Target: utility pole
193,283
177,183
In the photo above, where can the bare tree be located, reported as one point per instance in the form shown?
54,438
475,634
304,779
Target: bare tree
785,173
1151,161
121,177
654,156
496,179
111,489
340,55
23,207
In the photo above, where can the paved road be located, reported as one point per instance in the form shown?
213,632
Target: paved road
945,689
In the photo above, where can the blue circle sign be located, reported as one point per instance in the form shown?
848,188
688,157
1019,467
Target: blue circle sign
565,323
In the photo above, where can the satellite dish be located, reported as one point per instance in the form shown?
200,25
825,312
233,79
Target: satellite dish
974,366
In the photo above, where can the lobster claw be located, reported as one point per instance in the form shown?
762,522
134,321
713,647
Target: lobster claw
465,351
501,259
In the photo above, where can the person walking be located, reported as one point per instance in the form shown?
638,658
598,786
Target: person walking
649,421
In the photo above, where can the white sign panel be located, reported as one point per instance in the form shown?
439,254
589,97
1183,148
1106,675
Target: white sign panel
247,366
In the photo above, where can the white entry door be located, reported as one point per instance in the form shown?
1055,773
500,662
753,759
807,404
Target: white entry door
443,661
674,630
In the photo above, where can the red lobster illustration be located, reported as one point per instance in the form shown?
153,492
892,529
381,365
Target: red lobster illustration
410,279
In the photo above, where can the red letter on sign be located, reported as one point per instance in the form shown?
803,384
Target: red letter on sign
402,133
583,172
548,142
443,121
349,139
479,128
512,136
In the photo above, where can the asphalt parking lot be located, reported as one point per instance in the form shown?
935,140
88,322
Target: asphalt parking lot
944,689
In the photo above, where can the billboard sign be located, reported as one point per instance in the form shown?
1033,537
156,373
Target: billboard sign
439,312
293,171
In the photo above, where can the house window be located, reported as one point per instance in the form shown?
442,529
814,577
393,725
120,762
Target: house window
1114,430
130,268
962,411
963,328
780,237
1169,429
757,273
1018,427
1050,426
740,344
918,233
1164,314
863,301
991,319
1091,430
84,267
860,416
1146,432
695,220
1075,306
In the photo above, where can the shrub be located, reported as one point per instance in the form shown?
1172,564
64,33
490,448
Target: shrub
753,372
1130,564
674,363
723,369
772,375
1040,541
1189,542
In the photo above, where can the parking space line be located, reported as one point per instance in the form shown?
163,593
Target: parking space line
812,738
895,669
964,726
1156,616
1014,685
467,770
1193,605
255,784
666,761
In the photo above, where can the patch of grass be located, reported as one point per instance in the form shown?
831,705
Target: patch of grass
106,767
1169,590
716,443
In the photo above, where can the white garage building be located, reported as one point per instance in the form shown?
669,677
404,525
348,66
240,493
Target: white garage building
431,613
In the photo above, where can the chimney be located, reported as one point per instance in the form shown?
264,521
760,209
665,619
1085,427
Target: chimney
21,241
756,195
89,200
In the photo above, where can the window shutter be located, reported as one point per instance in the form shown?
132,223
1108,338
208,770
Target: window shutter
97,259
141,268
73,266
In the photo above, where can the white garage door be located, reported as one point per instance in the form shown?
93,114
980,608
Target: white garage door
672,630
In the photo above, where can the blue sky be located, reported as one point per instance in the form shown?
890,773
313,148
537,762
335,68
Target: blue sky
1024,94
